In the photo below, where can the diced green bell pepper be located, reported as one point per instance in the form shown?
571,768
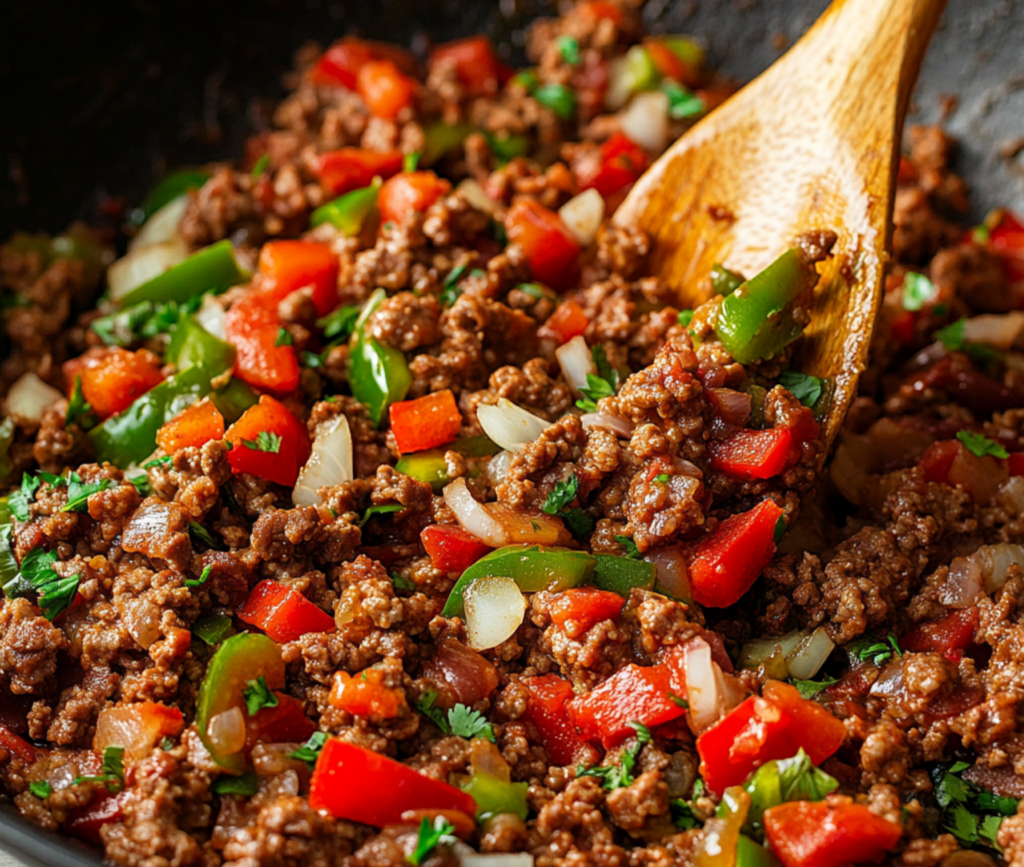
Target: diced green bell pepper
130,437
621,574
234,398
494,796
508,147
782,780
686,48
240,659
378,374
639,72
440,139
756,321
752,854
167,190
5,511
532,567
347,213
724,281
214,267
192,345
213,629
430,466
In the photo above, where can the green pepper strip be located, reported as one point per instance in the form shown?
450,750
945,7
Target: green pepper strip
192,345
440,139
214,267
752,854
755,322
724,281
494,796
640,72
621,574
378,374
532,568
347,213
168,189
234,398
430,466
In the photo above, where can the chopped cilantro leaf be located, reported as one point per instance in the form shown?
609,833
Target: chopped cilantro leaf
410,162
309,752
804,387
199,532
339,323
260,167
618,776
283,338
167,743
662,478
466,723
963,825
682,103
683,815
569,49
561,495
989,829
258,695
425,705
158,462
685,318
676,700
55,593
79,493
918,290
246,785
41,789
202,579
629,546
952,336
431,834
79,410
451,292
142,485
981,445
387,509
266,441
113,769
810,688
400,582
20,500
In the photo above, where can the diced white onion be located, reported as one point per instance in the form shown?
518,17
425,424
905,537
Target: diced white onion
809,655
226,731
607,421
734,405
582,216
998,330
30,397
211,315
472,516
982,572
496,859
620,84
497,466
508,425
710,692
770,653
330,462
161,226
475,194
672,575
576,362
494,611
143,264
645,121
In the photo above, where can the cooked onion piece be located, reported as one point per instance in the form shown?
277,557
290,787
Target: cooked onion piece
508,425
212,316
30,397
494,611
582,216
472,516
162,226
710,692
330,462
143,264
645,120
606,421
806,659
576,362
226,731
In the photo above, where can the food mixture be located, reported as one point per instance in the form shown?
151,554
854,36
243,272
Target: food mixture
376,507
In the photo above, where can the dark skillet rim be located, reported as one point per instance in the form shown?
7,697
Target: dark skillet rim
37,847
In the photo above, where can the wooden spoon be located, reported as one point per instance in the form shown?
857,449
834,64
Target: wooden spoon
811,144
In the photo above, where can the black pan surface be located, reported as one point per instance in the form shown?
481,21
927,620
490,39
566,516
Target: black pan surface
101,98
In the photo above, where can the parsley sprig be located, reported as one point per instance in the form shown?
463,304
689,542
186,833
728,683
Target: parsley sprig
877,651
980,446
258,695
266,441
113,770
431,834
309,752
460,720
55,592
558,503
971,813
604,384
620,775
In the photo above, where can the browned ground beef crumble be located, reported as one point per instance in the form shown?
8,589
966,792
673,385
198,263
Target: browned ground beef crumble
879,568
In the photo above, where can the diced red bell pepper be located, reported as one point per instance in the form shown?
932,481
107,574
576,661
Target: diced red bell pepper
385,89
952,631
451,548
819,834
937,460
284,723
365,694
254,330
363,786
600,9
291,265
340,63
551,251
754,454
547,710
408,192
112,378
272,418
622,162
1007,233
904,327
576,610
634,693
349,169
18,746
773,726
567,322
907,173
426,422
104,809
196,426
282,613
724,564
590,81
476,65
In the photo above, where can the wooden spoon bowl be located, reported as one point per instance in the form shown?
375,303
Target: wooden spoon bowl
812,144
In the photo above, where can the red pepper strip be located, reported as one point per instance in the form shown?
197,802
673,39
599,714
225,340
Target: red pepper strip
819,834
621,162
18,746
547,711
760,729
282,613
348,169
363,786
384,88
754,454
566,322
953,631
291,265
726,563
248,455
576,610
340,63
937,460
425,423
476,65
550,250
634,693
104,809
286,722
451,548
955,375
409,192
254,329
196,426
112,378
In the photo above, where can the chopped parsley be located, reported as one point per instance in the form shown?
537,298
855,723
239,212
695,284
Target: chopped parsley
620,775
199,533
629,546
451,291
260,167
682,102
559,98
158,462
386,509
952,337
142,485
339,324
283,338
569,48
309,752
980,446
918,290
431,834
810,688
805,388
604,384
167,743
663,478
534,290
971,813
469,724
41,789
142,321
213,629
79,492
113,769
246,785
400,582
679,702
20,500
410,162
79,410
258,695
266,441
426,706
55,593
684,816
557,503
685,317
877,651
202,579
